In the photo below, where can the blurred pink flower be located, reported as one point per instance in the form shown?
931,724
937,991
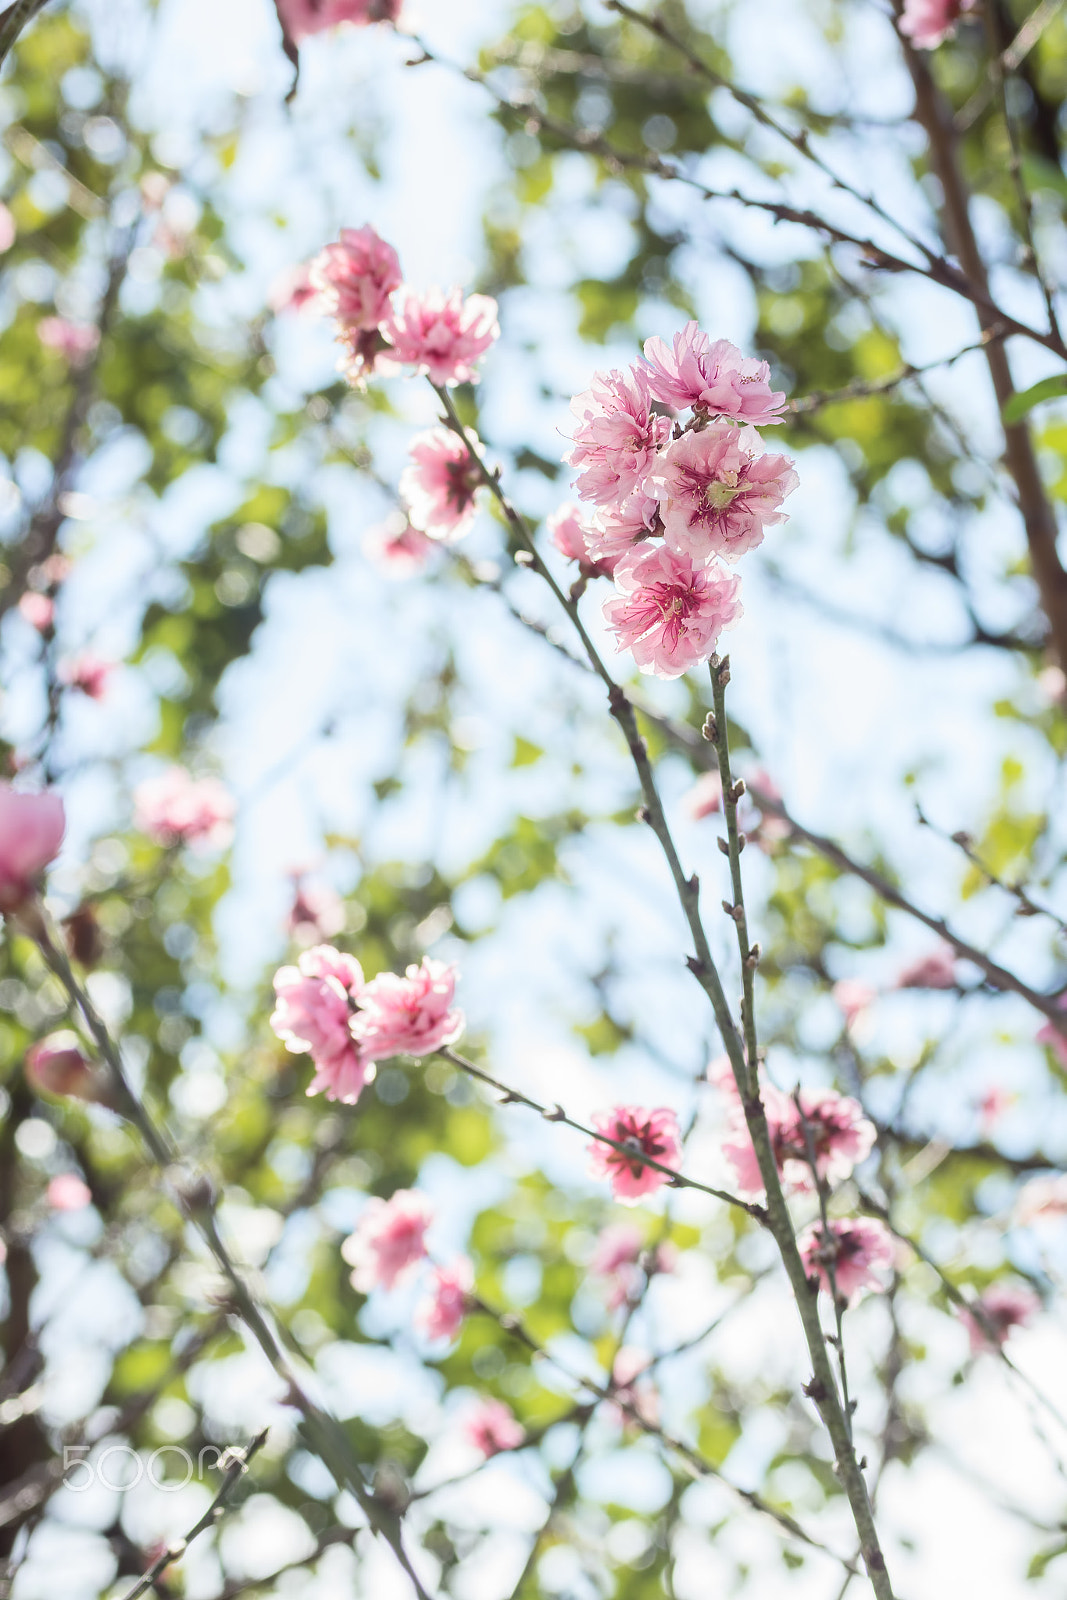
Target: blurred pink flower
704,798
302,18
861,1250
618,1259
442,335
37,609
409,1015
1042,1199
176,808
7,228
840,1134
1002,1307
58,1065
936,970
567,530
669,612
292,290
388,1240
618,435
355,277
396,547
31,831
440,1313
717,378
317,912
633,1387
719,490
853,998
74,340
439,485
645,1133
313,1015
67,1192
1051,1036
992,1106
927,23
88,673
492,1427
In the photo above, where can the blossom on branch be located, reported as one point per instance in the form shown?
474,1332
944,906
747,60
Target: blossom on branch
618,435
716,378
58,1065
928,23
1002,1307
440,1313
31,831
313,1016
840,1135
860,1250
301,18
643,1133
355,277
668,611
410,1015
493,1427
388,1241
619,1258
396,547
176,808
704,798
439,485
719,491
442,335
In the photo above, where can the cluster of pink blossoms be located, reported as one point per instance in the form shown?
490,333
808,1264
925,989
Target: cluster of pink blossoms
326,1010
384,325
667,501
840,1135
388,1247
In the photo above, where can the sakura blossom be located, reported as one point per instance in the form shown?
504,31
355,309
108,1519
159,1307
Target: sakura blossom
668,611
442,335
355,277
302,18
840,1135
176,808
999,1309
644,1133
861,1250
617,438
632,1385
364,354
411,1015
68,1192
936,970
713,377
704,798
31,831
313,1016
76,341
58,1065
88,673
292,290
618,1259
928,23
615,530
567,530
493,1427
317,912
39,610
718,491
440,1313
853,998
396,547
439,485
388,1241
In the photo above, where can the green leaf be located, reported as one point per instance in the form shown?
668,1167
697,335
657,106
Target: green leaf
1048,389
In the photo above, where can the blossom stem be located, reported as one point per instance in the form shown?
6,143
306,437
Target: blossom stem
830,1264
731,793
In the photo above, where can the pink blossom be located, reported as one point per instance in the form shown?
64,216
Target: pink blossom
1002,1307
764,828
936,970
409,1016
7,228
301,18
355,278
617,437
74,340
364,354
668,611
704,798
88,673
388,1240
67,1192
396,547
439,485
928,23
860,1249
618,1258
841,1136
1051,1036
314,1014
176,808
853,998
58,1065
292,290
716,378
992,1106
442,335
317,912
718,491
1042,1198
613,531
567,530
645,1133
633,1387
31,832
39,610
492,1427
440,1314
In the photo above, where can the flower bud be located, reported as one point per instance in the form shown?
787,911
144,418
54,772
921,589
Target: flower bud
58,1065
